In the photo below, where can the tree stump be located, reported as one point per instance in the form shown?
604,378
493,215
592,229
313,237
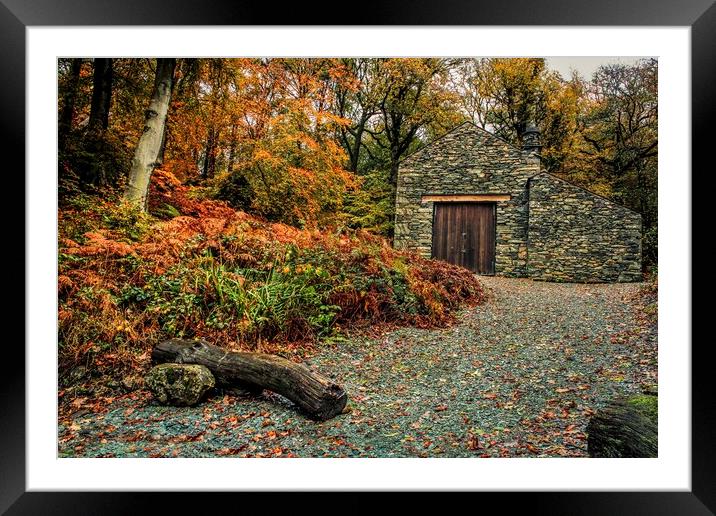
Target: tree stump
625,428
319,397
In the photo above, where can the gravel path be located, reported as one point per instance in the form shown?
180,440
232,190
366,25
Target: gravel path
517,376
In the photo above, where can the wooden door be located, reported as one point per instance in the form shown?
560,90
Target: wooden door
464,234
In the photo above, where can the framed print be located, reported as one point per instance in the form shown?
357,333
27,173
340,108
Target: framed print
431,243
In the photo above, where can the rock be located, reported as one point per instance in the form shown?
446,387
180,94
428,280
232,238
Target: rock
76,375
625,428
179,384
132,383
113,384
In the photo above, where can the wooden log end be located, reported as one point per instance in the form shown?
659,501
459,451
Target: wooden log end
333,403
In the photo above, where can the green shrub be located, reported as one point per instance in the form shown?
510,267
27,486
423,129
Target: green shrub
128,219
166,211
82,213
371,206
236,190
252,303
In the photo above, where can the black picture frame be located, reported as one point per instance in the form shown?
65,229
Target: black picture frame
700,15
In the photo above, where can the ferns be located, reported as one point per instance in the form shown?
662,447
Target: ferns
253,304
232,279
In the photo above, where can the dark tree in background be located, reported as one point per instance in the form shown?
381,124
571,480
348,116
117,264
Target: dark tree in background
67,111
101,97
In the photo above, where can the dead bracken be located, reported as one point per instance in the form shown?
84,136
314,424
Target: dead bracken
234,280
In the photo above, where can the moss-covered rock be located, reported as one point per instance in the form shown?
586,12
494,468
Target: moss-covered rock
626,427
179,384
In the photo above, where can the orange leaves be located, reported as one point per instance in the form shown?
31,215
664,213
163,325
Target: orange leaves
189,274
473,442
223,452
264,155
294,177
98,243
64,283
165,188
531,448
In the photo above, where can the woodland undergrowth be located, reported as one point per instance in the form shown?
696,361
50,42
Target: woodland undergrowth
196,268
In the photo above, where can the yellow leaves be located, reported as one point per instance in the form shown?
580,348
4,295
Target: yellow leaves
122,326
262,155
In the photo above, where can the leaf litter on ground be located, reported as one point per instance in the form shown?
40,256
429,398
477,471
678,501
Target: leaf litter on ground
516,377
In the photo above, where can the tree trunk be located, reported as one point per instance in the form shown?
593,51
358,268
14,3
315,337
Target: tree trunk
394,164
625,428
94,171
210,156
147,151
354,153
101,96
232,151
68,107
163,145
165,133
316,395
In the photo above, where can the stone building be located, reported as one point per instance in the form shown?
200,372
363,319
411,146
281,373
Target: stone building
473,199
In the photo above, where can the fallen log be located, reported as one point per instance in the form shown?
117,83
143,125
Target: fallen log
319,397
624,428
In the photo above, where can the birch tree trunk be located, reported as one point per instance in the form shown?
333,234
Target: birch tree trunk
147,151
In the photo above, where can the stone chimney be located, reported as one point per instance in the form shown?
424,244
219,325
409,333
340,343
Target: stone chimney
531,140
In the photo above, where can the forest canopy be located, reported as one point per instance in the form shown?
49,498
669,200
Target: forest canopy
316,142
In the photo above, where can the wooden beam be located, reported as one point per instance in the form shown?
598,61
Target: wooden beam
466,198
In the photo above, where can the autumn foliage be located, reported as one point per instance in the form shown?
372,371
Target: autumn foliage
278,174
127,280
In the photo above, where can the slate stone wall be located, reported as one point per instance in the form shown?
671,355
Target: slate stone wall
467,160
577,236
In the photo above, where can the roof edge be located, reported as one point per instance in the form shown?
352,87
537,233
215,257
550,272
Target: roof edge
466,122
610,201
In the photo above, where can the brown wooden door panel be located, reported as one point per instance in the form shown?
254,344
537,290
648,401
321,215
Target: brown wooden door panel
484,226
464,234
470,240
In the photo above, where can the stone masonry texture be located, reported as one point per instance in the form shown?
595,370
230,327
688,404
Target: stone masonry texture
575,235
548,229
467,160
